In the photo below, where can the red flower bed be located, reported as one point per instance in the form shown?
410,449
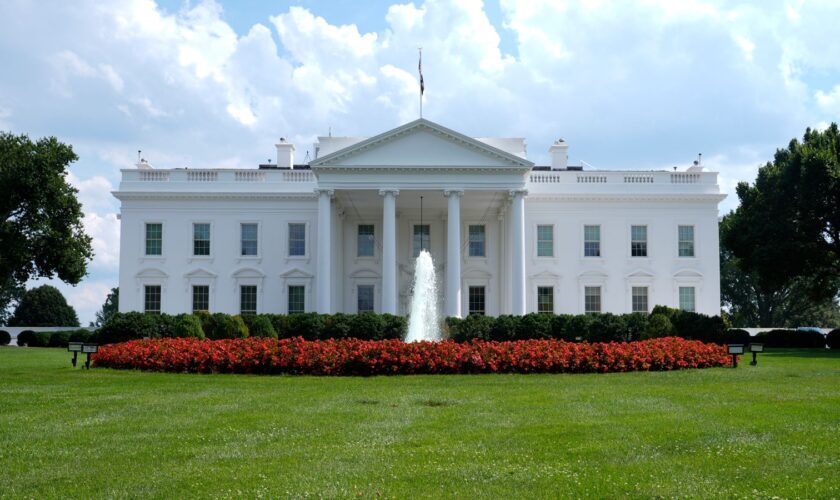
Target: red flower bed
387,357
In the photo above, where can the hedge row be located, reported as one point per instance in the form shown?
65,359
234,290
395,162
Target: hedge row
833,339
5,337
54,339
792,338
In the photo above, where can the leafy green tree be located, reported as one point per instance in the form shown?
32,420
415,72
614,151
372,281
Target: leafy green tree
44,306
9,294
109,308
41,233
788,224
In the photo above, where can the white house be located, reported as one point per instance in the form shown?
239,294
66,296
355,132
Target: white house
340,234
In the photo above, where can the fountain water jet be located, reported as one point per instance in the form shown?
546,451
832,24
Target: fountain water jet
423,323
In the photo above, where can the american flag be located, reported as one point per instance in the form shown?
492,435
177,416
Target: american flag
420,70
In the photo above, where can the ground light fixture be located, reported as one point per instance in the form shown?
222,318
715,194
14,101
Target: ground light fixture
735,350
754,349
75,348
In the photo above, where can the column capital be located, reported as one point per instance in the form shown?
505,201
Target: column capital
453,192
326,191
391,191
514,192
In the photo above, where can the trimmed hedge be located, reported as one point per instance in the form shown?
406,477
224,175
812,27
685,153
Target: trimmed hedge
791,338
5,337
25,338
833,339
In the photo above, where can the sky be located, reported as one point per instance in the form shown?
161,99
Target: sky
647,84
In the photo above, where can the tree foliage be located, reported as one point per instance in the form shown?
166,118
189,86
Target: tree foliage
44,306
111,306
41,232
787,227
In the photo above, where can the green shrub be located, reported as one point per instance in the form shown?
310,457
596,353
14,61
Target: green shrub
474,326
280,322
504,328
635,324
658,325
577,327
833,339
736,336
367,326
534,326
559,327
261,327
225,326
83,336
606,327
396,327
306,325
451,327
128,326
187,325
41,339
60,338
25,338
337,326
5,337
791,338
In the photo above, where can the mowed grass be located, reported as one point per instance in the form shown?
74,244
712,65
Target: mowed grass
760,431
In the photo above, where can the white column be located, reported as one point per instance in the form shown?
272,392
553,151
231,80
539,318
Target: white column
453,253
389,250
517,237
324,250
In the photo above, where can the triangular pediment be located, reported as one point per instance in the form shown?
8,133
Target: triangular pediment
200,273
421,143
295,272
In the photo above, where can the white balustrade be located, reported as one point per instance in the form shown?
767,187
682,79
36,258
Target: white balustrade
202,176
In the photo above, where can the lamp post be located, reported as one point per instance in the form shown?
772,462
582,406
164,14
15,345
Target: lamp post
735,350
754,349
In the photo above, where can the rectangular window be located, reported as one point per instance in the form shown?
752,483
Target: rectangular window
421,238
477,239
364,241
364,298
200,298
248,237
248,299
638,241
476,300
591,241
297,240
592,299
201,239
151,299
639,298
154,239
297,302
545,299
686,243
545,241
687,298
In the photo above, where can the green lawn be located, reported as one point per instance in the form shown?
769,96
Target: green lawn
760,431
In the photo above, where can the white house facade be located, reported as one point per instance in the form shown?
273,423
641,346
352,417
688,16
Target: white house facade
341,233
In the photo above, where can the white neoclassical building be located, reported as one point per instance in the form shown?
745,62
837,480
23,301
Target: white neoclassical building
340,234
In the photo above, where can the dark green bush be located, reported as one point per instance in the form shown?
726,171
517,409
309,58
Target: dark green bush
41,339
261,327
736,336
187,325
306,325
60,338
559,327
128,326
791,338
658,325
5,337
833,339
606,327
577,327
25,338
83,336
474,326
533,326
367,326
504,328
337,326
225,326
635,324
396,327
451,326
280,322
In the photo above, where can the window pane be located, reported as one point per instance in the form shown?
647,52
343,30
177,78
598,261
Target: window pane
686,242
200,298
248,299
297,239
421,238
365,298
364,241
592,299
249,239
638,241
201,239
296,299
687,298
477,241
151,299
476,300
640,299
592,241
545,299
545,241
154,239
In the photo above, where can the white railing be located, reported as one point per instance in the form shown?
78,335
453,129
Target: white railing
298,176
621,177
202,176
249,176
685,178
591,179
218,179
638,179
153,176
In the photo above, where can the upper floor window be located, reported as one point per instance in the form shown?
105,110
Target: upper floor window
687,298
201,239
639,299
421,238
248,299
297,239
686,241
545,241
477,241
364,298
297,299
154,238
545,299
364,241
638,241
151,299
249,241
476,300
591,241
592,299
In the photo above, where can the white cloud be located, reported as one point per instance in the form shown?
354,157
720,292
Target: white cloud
829,102
100,220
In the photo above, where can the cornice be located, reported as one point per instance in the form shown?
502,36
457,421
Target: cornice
163,195
665,197
422,169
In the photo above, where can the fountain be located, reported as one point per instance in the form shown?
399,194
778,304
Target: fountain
423,324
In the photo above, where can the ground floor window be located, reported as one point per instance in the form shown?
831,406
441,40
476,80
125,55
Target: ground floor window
639,298
364,298
248,299
545,299
687,298
200,298
297,302
476,300
592,299
151,299
421,239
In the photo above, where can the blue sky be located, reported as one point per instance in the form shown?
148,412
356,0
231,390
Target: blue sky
645,84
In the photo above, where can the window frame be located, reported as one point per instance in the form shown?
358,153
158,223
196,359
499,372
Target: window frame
600,241
306,239
146,288
483,242
289,287
633,288
144,240
483,288
258,255
693,289
537,241
373,241
256,288
192,297
600,288
646,241
210,245
366,286
693,241
551,294
411,245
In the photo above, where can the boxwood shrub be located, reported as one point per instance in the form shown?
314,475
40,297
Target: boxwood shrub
5,337
833,339
791,338
260,326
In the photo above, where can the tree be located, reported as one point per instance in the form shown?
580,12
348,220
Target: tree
41,232
9,294
788,224
749,302
44,306
111,306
